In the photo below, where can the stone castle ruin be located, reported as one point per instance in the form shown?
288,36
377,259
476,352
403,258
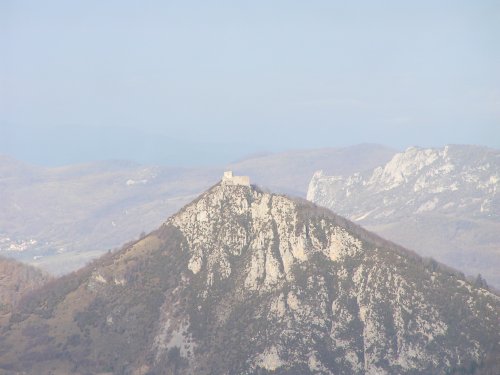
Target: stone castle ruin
229,179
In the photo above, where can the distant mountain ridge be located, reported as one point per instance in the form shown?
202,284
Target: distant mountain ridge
444,203
242,281
66,216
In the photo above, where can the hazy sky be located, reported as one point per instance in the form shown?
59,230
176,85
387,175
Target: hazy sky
206,81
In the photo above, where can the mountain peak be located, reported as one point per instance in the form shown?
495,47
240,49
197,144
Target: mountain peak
231,219
249,282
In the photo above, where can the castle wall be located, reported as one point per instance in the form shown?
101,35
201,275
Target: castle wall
229,179
241,180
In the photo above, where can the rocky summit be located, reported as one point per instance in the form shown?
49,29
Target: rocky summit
242,281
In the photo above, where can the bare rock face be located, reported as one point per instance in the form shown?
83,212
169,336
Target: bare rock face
443,203
245,282
60,218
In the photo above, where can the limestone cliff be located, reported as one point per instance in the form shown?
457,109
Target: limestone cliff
443,203
242,281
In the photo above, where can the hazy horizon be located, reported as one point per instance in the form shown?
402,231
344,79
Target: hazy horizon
195,83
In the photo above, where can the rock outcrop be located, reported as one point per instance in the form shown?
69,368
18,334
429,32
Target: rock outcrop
443,203
242,281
